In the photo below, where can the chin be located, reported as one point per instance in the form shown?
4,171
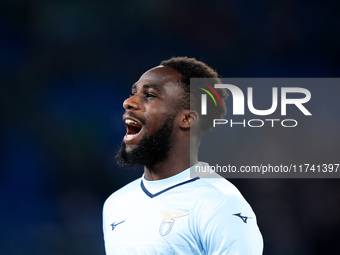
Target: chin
130,147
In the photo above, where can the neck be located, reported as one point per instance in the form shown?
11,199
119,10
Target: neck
178,161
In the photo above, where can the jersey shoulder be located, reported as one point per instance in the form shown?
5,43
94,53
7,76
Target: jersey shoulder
218,191
219,187
129,190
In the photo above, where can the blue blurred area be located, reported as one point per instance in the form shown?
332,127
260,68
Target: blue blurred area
67,66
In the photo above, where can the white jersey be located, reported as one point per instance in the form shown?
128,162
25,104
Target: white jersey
180,215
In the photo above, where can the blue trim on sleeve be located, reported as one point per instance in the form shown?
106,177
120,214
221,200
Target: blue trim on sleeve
167,189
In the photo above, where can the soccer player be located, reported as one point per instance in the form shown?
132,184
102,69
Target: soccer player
167,211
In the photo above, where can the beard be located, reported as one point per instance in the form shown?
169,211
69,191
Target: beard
151,149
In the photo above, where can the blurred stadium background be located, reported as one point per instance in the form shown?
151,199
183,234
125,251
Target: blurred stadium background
65,68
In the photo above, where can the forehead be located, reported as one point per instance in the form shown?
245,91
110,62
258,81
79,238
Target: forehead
161,78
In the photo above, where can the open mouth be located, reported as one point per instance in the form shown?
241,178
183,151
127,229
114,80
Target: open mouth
133,128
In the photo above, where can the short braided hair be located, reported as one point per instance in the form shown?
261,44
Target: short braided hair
192,68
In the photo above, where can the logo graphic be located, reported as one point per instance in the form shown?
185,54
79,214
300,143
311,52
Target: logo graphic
238,100
114,225
243,218
204,98
281,101
168,221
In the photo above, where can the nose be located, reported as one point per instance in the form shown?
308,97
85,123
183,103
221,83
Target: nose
131,103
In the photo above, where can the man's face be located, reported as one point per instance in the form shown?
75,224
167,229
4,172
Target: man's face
150,115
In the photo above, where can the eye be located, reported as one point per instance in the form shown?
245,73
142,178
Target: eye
149,95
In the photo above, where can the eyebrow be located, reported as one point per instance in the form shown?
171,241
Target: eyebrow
155,87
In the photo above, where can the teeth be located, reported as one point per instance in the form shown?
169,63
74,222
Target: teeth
128,122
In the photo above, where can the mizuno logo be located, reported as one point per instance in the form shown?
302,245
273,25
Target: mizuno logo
243,218
114,225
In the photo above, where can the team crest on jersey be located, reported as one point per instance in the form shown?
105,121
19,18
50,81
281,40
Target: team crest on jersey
166,227
168,221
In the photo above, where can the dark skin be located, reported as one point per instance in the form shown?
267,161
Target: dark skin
156,96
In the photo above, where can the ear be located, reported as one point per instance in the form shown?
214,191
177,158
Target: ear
188,118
